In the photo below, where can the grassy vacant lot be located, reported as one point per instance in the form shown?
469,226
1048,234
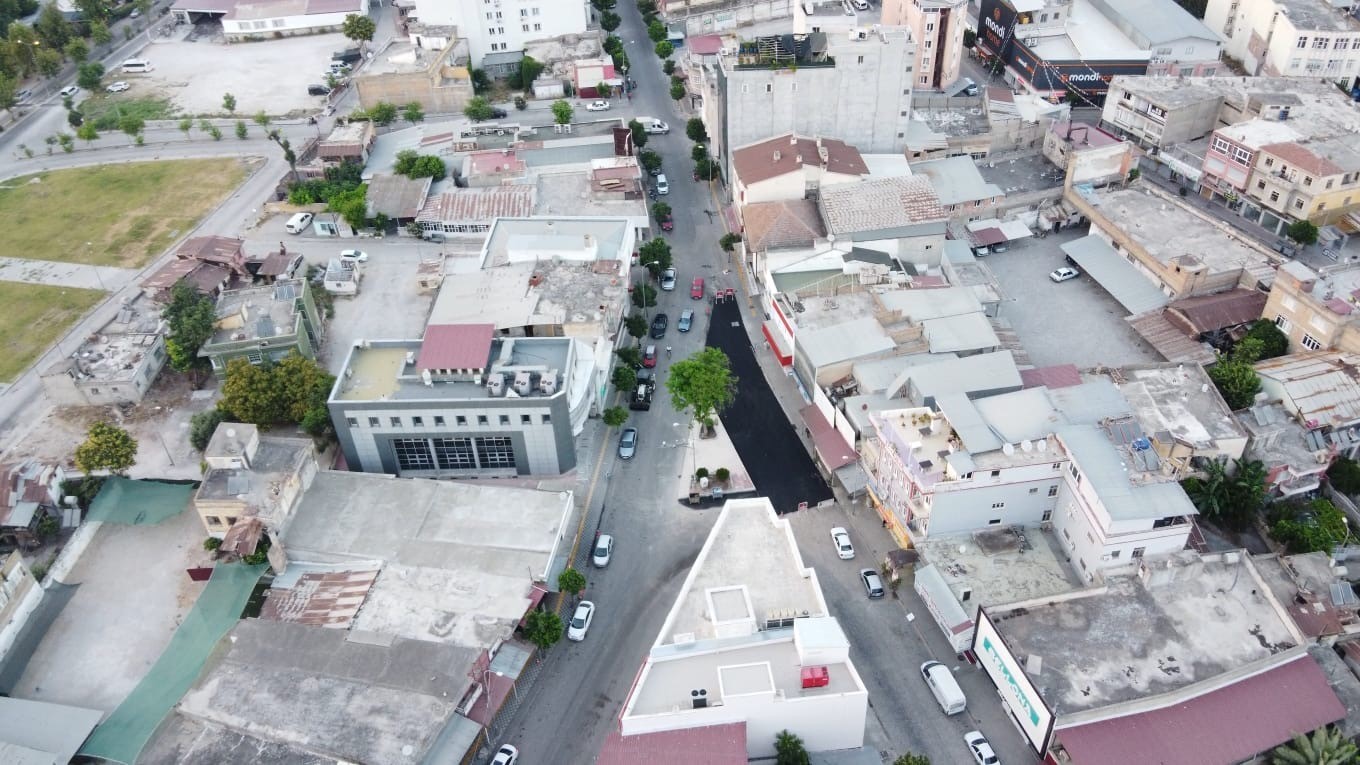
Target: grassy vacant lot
34,316
105,110
128,213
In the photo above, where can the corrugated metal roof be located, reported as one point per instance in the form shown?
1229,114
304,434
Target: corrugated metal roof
1118,276
1321,385
479,205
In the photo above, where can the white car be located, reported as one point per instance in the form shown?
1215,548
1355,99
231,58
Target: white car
69,90
580,621
506,755
982,751
604,550
356,255
597,106
117,87
841,538
668,279
1064,273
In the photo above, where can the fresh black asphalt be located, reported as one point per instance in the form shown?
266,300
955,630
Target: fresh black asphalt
768,444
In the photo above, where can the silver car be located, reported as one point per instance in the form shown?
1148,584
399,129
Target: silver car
604,550
873,585
686,320
668,279
628,440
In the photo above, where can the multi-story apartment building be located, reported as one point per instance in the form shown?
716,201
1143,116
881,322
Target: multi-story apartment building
505,25
937,27
1317,181
1294,38
1316,311
264,323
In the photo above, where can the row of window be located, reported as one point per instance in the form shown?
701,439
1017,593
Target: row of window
439,421
455,228
523,12
1308,341
213,520
454,453
1315,65
1323,43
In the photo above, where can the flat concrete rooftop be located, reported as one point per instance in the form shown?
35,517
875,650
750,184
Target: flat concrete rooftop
1193,619
382,372
572,194
1180,400
998,568
258,313
1172,234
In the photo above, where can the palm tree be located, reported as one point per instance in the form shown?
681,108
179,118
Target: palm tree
1210,493
1326,747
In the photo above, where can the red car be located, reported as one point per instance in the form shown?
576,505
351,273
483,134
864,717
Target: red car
649,356
667,222
696,290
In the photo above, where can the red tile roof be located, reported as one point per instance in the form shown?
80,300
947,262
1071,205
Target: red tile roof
456,346
1301,157
831,446
788,153
704,45
1061,376
213,249
771,225
479,205
1206,313
1224,726
710,745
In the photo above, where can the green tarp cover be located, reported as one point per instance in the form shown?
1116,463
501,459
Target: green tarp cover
129,502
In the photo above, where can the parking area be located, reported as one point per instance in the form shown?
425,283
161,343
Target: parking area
1075,322
271,76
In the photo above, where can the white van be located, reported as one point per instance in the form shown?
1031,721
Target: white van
137,65
655,126
945,687
299,223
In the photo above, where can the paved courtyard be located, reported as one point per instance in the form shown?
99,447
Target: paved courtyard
1075,322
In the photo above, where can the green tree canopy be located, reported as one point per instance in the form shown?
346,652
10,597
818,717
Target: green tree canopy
1273,341
87,132
624,378
285,391
664,49
609,21
911,759
1303,232
636,324
1317,526
76,49
543,628
383,113
644,296
572,581
89,74
203,425
1345,475
413,165
358,28
649,160
639,133
1236,381
352,205
478,109
529,70
789,750
413,112
655,256
615,416
630,355
656,31
99,33
190,318
229,103
106,447
52,27
1230,497
562,112
703,384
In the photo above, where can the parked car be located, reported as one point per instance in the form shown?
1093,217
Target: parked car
1064,273
668,279
598,106
506,755
1001,247
117,87
659,324
604,550
860,5
696,288
667,222
357,255
318,90
982,751
23,96
663,186
69,90
686,320
498,113
841,538
628,441
641,400
580,621
873,585
649,356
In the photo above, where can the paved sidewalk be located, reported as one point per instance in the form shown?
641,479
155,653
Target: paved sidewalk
56,274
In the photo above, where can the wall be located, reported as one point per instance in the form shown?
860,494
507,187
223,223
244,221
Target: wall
545,19
287,26
967,505
703,17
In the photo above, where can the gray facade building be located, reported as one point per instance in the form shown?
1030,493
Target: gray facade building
463,402
264,324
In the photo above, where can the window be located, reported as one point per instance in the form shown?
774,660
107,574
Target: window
1221,145
538,27
523,12
454,453
395,421
928,46
1052,492
767,87
1043,17
930,27
998,505
1321,43
1355,44
524,27
1072,470
460,420
547,419
495,451
1048,516
372,422
1241,156
214,520
353,422
413,453
1274,196
1034,490
526,419
1114,555
1057,466
1310,343
481,419
996,473
1302,42
438,421
1298,204
505,419
1137,552
994,522
254,357
1261,185
417,422
1308,180
278,22
1067,536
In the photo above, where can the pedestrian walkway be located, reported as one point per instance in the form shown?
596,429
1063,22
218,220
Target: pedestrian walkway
55,274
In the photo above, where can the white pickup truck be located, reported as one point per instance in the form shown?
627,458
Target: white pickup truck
654,126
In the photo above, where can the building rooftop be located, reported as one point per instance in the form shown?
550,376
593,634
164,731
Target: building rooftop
723,744
527,240
397,196
1124,471
1185,619
777,225
845,341
919,305
1322,157
578,296
456,346
275,462
957,181
879,204
1089,35
1174,235
1280,440
581,193
1320,15
1000,565
1150,23
456,568
389,370
401,56
213,249
789,153
1176,92
483,204
1181,401
1324,386
41,733
1256,133
1221,310
115,353
258,313
995,371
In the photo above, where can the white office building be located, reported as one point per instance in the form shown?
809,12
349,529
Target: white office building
497,26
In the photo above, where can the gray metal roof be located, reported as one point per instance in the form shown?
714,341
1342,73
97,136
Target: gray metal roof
55,731
1109,472
842,342
1118,276
957,180
1090,402
1153,22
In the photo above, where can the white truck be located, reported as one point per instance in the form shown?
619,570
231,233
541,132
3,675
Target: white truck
654,126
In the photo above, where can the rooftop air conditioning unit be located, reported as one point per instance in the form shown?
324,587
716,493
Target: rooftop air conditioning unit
495,384
548,382
522,383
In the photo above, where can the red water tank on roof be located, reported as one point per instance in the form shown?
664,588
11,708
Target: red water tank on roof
816,677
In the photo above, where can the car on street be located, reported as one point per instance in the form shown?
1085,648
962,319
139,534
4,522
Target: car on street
117,87
580,621
604,550
506,755
659,324
598,106
841,538
649,356
982,751
69,90
641,400
1063,274
663,186
873,585
628,441
356,255
498,113
696,288
23,96
686,320
668,279
318,90
666,221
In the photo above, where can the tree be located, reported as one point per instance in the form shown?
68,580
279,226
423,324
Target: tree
789,750
698,152
656,31
655,256
143,6
53,28
636,325
289,155
289,390
520,103
186,125
49,63
529,70
729,242
571,581
190,318
480,82
644,296
639,133
413,165
478,109
1273,341
1317,526
352,205
1326,746
910,758
93,10
660,210
562,112
664,49
106,447
630,355
8,91
358,28
543,628
649,160
1232,498
668,67
677,91
1248,350
99,33
609,21
969,38
132,125
1303,232
77,50
646,8
203,425
624,377
707,169
413,112
261,119
1345,475
703,384
615,416
1236,381
248,393
89,74
74,118
229,103
242,131
87,133
383,114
